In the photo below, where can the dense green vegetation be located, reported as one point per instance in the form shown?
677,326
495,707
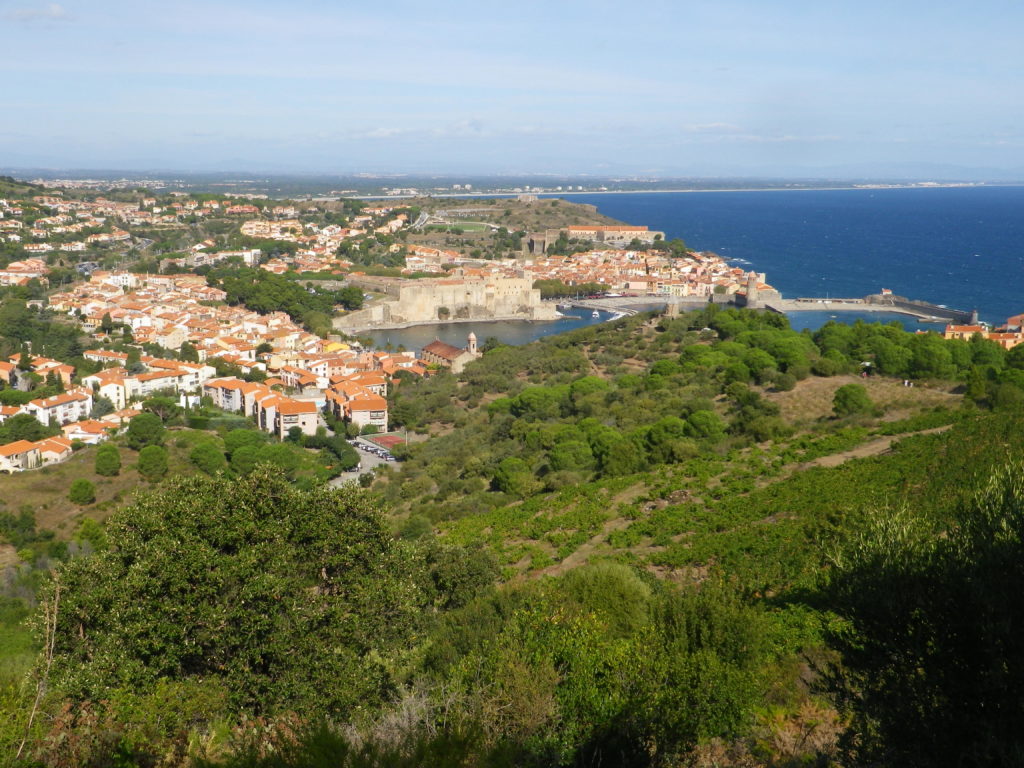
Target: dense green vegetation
708,540
264,292
48,335
614,401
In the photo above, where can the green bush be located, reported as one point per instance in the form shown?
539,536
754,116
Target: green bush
850,400
145,429
108,460
153,463
208,457
82,492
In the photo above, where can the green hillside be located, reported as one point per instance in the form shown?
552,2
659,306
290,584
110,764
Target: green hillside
658,542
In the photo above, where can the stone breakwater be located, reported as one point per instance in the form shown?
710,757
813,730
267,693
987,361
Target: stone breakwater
922,310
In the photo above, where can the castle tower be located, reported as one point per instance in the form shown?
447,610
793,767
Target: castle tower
752,295
471,344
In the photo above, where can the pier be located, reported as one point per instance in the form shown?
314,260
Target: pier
876,302
922,310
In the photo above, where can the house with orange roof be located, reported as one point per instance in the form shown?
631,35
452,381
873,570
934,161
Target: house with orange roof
295,413
375,382
54,449
120,417
7,411
19,456
1006,340
301,379
89,431
368,410
226,393
357,404
110,383
963,332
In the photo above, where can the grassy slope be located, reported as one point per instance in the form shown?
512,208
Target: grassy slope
525,217
45,490
543,214
19,189
680,519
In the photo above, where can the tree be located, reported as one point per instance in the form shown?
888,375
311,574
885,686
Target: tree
244,459
145,429
933,635
24,357
238,438
290,600
188,352
108,460
208,458
153,463
163,407
82,492
851,399
101,406
25,426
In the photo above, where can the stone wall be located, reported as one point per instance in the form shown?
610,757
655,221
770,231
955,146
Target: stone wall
430,301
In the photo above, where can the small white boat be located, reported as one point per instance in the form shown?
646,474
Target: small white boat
595,314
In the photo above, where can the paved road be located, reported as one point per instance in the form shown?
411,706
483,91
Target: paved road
368,461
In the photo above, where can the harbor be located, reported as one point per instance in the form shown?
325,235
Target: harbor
922,311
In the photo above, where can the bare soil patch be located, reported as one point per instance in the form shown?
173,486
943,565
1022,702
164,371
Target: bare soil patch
811,399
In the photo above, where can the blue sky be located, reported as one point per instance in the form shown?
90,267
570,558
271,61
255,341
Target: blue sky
611,88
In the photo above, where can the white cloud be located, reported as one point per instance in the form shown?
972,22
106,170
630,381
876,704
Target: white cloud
48,13
711,128
714,133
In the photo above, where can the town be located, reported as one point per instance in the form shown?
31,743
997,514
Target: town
161,327
139,274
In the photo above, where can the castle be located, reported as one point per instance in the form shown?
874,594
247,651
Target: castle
456,298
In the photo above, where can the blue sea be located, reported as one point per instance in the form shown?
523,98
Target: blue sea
962,246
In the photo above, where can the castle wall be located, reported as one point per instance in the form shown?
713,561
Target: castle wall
420,301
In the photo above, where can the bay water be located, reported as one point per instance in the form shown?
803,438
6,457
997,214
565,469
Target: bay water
962,247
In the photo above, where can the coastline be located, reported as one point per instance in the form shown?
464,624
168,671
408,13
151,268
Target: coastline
567,193
460,320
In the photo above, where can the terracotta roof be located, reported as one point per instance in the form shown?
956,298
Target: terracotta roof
16,448
368,403
439,348
291,407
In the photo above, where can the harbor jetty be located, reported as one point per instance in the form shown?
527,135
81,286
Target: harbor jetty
876,302
879,302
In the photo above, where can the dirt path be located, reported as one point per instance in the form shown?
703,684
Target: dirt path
586,549
870,448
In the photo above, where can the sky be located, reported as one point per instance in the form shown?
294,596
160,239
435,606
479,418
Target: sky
645,88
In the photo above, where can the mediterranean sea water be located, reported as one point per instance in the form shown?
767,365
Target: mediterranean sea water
958,246
506,331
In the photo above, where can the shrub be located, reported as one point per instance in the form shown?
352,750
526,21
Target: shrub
108,460
851,399
153,463
208,458
145,429
82,492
